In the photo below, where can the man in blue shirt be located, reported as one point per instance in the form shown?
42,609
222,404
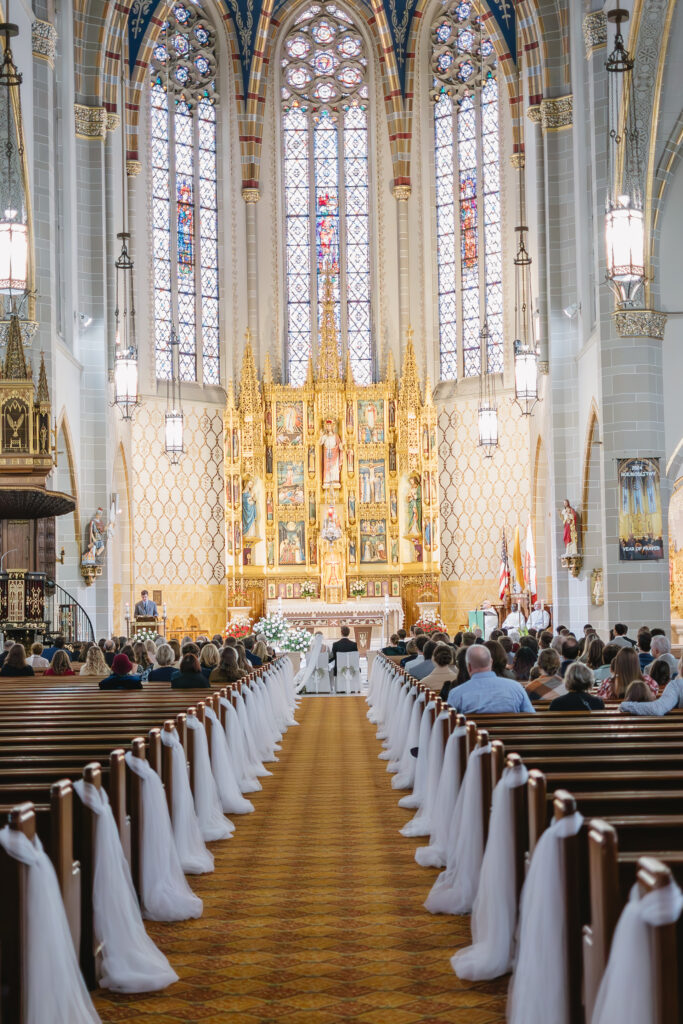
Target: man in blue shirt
58,645
485,692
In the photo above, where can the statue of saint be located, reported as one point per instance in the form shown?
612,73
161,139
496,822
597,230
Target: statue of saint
332,448
96,543
414,503
249,508
333,571
570,518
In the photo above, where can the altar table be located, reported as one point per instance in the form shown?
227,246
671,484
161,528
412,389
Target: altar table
328,618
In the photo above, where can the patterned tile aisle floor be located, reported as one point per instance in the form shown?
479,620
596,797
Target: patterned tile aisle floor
314,913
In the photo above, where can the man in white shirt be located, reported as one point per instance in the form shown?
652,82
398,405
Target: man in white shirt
36,659
490,619
539,618
621,639
515,620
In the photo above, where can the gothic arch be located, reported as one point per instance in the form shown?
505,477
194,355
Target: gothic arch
121,557
591,467
64,429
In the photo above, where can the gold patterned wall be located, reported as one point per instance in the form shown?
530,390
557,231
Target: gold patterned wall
479,497
178,532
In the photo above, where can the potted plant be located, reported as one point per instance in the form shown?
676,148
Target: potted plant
308,589
357,589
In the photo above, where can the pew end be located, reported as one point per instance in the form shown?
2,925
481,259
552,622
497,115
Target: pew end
14,950
167,766
86,838
605,906
68,869
134,792
117,798
653,875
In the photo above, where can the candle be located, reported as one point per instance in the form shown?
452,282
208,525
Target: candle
163,608
127,610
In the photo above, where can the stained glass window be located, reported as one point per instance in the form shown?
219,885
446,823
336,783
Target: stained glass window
326,184
468,218
184,195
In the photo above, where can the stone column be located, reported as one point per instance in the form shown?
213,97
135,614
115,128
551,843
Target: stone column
251,197
402,195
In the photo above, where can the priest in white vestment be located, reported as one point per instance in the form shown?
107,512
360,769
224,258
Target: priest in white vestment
515,619
539,618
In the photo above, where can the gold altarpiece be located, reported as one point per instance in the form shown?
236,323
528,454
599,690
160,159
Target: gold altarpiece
331,459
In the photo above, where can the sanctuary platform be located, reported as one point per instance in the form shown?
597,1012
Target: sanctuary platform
385,615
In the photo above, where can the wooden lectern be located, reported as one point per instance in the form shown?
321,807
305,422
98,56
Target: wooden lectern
146,622
362,635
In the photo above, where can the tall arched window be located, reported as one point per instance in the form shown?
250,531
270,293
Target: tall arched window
184,195
326,184
468,220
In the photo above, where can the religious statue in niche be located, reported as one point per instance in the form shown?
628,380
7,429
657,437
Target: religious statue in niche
332,447
269,460
249,509
98,533
333,570
372,483
414,507
570,519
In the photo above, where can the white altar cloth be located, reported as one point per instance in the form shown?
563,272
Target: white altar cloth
328,618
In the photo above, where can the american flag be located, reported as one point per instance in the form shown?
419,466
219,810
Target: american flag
504,585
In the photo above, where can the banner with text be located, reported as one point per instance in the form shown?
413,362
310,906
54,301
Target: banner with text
640,511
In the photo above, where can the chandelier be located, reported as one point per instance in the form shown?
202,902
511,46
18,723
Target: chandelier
624,222
173,422
126,354
487,413
13,207
524,346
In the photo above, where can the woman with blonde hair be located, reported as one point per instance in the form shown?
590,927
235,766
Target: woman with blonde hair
626,670
208,659
242,657
227,670
144,665
151,649
94,664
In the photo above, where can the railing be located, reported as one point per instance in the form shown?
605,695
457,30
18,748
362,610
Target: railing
65,616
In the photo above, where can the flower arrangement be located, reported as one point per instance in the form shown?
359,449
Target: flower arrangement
431,622
142,635
357,588
308,588
296,640
238,628
274,627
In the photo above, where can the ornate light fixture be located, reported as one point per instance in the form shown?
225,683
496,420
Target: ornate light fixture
173,423
624,223
126,356
487,414
13,212
525,348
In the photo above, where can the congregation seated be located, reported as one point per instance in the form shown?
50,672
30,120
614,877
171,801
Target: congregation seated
248,644
644,644
499,658
189,675
165,660
578,680
141,661
522,663
109,651
208,659
441,673
626,670
36,659
60,665
620,636
485,692
411,652
661,652
58,645
418,658
95,663
122,676
227,670
261,651
426,666
548,684
402,637
671,699
15,662
570,653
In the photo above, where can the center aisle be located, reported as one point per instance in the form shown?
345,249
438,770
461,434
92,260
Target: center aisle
314,913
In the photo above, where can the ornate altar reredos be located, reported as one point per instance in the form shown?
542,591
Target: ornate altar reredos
331,482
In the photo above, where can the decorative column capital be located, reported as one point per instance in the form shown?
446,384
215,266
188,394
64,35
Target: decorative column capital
401,193
517,161
113,121
133,168
91,122
640,323
557,113
251,195
534,113
44,41
594,32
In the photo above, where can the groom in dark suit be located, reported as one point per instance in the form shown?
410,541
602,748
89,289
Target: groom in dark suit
342,646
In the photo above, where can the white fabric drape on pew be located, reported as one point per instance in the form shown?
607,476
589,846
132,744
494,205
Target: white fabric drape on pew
165,895
626,993
195,858
229,792
55,992
538,987
414,799
251,746
130,960
245,773
455,889
435,855
397,746
213,824
405,777
494,914
303,676
421,824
